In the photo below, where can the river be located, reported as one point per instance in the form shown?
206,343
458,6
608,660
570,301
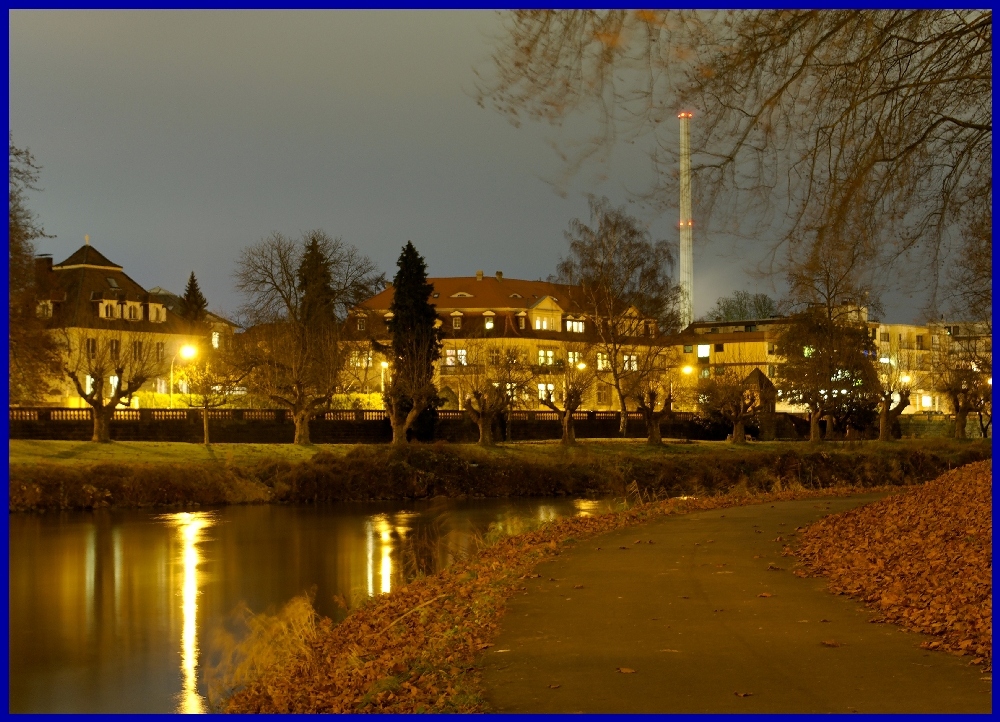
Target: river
116,611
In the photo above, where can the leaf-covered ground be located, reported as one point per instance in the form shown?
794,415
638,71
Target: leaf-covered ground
923,559
415,650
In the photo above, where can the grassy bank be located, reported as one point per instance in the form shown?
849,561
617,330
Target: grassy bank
64,475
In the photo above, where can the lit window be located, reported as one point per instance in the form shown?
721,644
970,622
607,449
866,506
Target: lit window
574,326
520,322
489,323
215,339
574,357
703,350
770,348
546,357
113,380
926,401
630,362
456,322
463,357
545,391
449,357
88,383
603,394
704,373
602,361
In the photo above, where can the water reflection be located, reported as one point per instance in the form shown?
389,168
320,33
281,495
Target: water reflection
190,528
114,611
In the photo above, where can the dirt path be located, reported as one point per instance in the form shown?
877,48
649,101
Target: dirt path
700,615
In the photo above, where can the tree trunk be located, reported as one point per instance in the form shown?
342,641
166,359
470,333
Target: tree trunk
204,423
623,421
961,419
653,435
301,420
739,431
884,422
568,430
485,424
814,434
102,424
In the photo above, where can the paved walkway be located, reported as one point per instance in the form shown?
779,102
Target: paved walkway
708,610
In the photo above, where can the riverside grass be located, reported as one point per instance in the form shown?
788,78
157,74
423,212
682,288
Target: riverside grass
415,649
137,476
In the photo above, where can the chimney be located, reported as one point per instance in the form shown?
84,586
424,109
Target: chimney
479,275
43,263
499,276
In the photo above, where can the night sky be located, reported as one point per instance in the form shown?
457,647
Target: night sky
174,139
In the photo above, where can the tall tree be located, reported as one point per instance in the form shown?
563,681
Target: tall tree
194,305
297,353
827,127
415,344
32,352
622,280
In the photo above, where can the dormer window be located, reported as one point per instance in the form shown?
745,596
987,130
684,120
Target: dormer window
488,323
45,309
109,310
574,326
456,322
112,283
361,324
516,295
461,294
520,322
133,312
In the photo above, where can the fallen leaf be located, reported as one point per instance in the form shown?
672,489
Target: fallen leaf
485,646
743,694
577,586
765,594
825,621
625,670
623,547
555,686
637,541
831,643
650,542
669,650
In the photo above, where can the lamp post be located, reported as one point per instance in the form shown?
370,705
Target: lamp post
186,351
385,365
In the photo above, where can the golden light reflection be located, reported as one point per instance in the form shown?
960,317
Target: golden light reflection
588,507
190,528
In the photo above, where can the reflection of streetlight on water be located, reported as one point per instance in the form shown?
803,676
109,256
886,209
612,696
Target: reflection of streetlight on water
190,527
186,352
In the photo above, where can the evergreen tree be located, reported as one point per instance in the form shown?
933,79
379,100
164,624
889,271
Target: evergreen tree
315,282
416,344
193,303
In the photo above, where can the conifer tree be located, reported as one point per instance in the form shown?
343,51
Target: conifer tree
193,303
315,284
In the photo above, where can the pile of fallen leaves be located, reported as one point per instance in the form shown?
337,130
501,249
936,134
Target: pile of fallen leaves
922,558
415,649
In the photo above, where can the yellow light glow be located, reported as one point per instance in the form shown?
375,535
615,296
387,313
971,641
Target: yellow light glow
190,528
188,351
905,379
581,365
687,370
385,364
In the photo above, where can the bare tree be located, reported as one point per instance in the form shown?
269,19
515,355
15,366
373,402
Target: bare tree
621,278
727,393
898,375
828,127
743,305
656,387
108,366
297,296
215,376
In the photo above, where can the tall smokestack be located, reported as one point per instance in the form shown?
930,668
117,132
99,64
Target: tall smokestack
687,261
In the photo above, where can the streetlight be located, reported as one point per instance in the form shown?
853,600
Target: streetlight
385,365
187,351
687,370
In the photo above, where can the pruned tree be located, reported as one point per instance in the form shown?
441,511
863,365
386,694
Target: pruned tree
297,294
33,357
415,345
898,375
622,279
579,374
966,386
107,367
825,127
727,394
492,379
652,389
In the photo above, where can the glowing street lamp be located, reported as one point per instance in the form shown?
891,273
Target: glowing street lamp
186,352
687,370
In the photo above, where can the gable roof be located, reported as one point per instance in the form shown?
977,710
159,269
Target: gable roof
87,256
173,302
487,294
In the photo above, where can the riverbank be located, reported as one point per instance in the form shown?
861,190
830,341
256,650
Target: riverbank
420,648
922,560
49,476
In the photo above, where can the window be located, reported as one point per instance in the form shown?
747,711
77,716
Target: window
159,350
114,381
136,350
574,357
703,350
463,357
114,348
719,370
109,310
770,348
751,327
574,326
602,361
630,362
720,347
546,357
920,343
925,401
361,324
112,282
520,322
132,314
449,357
456,322
184,388
772,371
494,357
714,329
603,394
88,385
545,391
489,323
541,324
162,386
884,337
688,348
45,309
703,373
215,339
